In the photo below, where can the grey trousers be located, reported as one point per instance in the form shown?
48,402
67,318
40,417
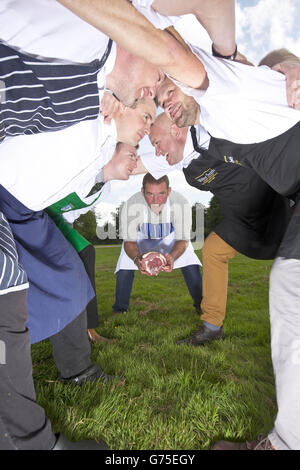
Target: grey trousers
285,342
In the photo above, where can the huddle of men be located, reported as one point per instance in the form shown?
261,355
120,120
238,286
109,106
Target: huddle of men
60,155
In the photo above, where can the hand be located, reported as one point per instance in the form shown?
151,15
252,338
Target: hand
291,69
170,263
108,106
241,58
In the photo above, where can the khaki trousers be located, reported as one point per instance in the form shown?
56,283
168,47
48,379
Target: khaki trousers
215,256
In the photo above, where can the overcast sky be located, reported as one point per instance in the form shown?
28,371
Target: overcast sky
261,26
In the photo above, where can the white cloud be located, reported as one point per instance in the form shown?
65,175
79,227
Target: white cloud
264,25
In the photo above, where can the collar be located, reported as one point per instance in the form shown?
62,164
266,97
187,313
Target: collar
189,153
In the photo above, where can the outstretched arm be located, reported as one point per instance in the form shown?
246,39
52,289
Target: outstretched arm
119,20
216,16
287,63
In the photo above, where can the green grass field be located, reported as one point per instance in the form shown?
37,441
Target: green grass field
169,396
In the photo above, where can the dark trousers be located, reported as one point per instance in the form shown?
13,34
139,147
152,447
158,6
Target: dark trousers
87,256
23,424
124,282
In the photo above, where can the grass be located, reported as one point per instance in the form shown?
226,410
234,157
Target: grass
169,396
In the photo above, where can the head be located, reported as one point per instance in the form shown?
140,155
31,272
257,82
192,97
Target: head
168,139
122,163
156,192
133,78
133,124
182,109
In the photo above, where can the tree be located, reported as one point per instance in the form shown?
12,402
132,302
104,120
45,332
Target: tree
86,225
212,216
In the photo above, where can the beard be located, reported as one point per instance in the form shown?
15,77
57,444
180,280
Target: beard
189,113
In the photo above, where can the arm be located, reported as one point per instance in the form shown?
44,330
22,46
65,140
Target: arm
287,63
178,249
216,16
132,250
119,20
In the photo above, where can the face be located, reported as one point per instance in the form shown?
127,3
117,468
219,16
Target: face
166,144
134,124
156,196
141,80
179,107
124,160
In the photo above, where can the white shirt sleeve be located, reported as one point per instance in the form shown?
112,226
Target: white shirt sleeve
158,20
156,166
47,28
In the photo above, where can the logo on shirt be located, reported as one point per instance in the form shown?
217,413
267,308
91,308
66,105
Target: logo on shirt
231,159
207,176
69,207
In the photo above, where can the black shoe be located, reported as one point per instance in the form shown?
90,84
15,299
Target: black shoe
62,443
91,374
202,336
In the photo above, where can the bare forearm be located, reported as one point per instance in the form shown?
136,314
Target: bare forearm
131,249
178,249
119,20
216,16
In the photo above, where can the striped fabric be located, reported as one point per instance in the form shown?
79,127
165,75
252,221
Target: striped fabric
12,275
39,95
156,231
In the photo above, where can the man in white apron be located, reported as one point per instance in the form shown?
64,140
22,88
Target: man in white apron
156,219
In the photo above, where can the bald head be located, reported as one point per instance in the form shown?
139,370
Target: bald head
168,139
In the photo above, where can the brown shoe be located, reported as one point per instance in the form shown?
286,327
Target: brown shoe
95,338
261,443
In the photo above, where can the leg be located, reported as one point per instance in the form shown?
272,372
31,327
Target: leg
285,337
124,282
215,256
87,256
193,279
71,347
23,424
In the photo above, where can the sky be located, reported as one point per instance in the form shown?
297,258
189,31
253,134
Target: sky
261,26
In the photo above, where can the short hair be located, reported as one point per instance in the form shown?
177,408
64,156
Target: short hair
149,179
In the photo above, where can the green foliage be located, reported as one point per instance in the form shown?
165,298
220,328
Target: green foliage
169,396
212,216
86,226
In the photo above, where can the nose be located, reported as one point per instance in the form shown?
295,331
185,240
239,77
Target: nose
157,151
152,92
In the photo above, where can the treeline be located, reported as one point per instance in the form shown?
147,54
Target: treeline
108,233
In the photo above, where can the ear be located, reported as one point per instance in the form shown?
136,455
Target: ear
175,131
169,190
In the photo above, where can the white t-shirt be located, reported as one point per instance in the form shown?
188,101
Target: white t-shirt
156,232
48,29
44,168
243,104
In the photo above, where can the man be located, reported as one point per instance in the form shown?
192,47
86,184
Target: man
156,220
90,163
121,165
254,221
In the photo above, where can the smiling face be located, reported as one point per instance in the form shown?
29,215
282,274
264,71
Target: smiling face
133,124
180,108
134,78
167,139
124,160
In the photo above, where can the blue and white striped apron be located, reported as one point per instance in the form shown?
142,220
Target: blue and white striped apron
12,275
42,95
59,288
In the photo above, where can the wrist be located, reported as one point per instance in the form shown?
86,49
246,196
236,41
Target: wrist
232,56
136,259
